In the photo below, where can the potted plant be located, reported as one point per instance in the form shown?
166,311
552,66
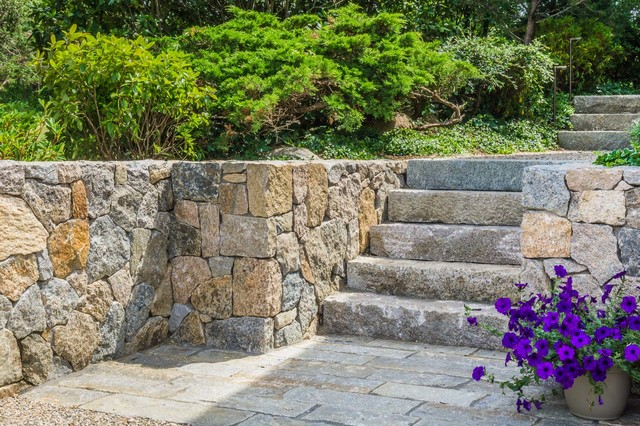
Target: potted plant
588,345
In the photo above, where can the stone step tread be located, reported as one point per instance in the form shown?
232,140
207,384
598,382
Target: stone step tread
456,207
447,243
416,320
593,140
607,104
606,122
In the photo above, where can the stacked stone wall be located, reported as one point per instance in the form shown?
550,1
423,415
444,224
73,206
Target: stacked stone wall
98,260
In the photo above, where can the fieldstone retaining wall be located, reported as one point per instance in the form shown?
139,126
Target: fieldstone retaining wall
584,217
103,259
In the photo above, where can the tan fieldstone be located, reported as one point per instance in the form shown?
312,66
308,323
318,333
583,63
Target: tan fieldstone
257,287
187,212
270,189
121,285
305,267
247,236
163,299
299,174
213,297
50,203
233,199
593,178
288,252
300,221
235,178
154,331
69,172
367,216
187,273
623,186
96,301
596,247
18,221
545,235
11,370
190,331
344,198
79,203
37,358
120,176
210,227
606,207
158,172
68,247
76,341
317,199
632,202
285,318
17,274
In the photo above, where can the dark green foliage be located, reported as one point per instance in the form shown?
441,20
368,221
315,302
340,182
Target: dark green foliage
16,76
626,156
616,88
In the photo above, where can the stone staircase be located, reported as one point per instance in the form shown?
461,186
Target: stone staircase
453,239
601,123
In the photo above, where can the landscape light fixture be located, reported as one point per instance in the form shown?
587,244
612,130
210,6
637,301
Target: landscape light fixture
555,87
571,40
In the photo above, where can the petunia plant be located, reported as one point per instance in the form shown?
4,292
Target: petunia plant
564,335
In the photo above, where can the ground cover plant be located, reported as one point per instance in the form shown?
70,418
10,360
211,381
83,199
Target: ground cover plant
625,156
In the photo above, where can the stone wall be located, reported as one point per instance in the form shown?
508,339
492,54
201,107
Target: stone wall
102,259
584,217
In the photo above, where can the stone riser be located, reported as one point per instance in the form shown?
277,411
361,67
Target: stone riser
447,243
626,104
415,320
593,141
456,207
433,280
606,122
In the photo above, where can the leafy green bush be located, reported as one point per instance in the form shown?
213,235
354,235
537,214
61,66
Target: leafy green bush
276,76
115,99
27,135
625,156
616,88
15,50
514,78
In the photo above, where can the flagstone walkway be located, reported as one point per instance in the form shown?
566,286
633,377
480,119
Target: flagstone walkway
326,380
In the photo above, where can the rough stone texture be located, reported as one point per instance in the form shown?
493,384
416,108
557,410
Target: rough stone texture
17,274
257,287
184,240
99,180
586,284
148,209
112,334
187,212
51,204
283,223
299,183
151,267
165,195
5,311
220,266
632,202
317,194
68,172
109,250
571,266
326,248
210,224
11,370
289,335
121,285
270,189
138,309
152,333
45,267
69,247
17,221
214,297
592,140
247,236
631,175
76,341
606,207
12,179
178,313
241,334
235,178
190,331
283,319
533,273
231,167
158,172
233,199
196,181
28,314
587,179
59,300
596,247
125,203
545,235
613,104
623,186
163,300
291,291
96,301
308,306
367,217
288,252
344,199
44,172
120,176
79,281
629,243
187,273
37,359
544,188
433,280
300,221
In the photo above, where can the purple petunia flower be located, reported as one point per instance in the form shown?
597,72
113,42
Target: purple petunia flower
472,320
589,363
580,340
619,275
560,271
503,305
542,346
607,292
523,348
510,340
628,304
605,351
565,353
634,323
599,374
521,286
632,353
544,370
538,404
478,372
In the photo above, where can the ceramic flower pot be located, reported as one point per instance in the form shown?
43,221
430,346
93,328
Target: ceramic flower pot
583,402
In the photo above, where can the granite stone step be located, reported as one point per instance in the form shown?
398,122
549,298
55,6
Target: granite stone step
470,174
593,141
615,104
414,320
456,207
433,280
607,122
447,243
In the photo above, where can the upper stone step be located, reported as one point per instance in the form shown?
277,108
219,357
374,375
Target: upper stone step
610,122
470,174
413,320
447,243
607,104
456,207
433,280
593,141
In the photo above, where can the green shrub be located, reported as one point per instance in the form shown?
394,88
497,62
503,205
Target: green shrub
115,99
616,88
514,78
625,156
15,51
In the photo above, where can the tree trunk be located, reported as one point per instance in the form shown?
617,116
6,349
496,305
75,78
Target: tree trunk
531,21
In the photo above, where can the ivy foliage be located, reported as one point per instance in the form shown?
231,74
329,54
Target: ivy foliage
115,99
624,156
273,76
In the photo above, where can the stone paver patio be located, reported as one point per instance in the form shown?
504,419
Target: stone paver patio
326,380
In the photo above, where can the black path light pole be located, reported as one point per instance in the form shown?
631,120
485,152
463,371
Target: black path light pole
571,40
555,87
